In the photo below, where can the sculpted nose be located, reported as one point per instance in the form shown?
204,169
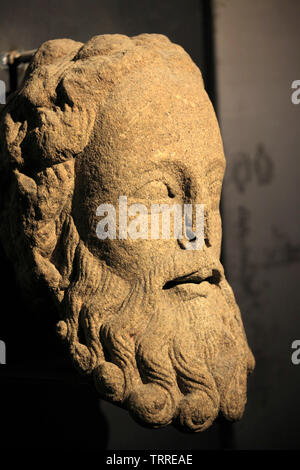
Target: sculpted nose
194,230
184,242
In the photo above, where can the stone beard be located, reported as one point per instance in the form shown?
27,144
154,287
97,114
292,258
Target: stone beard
156,324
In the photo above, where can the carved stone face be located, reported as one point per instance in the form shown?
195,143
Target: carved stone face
154,322
164,147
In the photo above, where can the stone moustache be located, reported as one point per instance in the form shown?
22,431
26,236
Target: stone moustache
156,325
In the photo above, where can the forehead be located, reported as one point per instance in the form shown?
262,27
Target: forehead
157,120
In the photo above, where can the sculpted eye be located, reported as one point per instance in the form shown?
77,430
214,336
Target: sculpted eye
155,189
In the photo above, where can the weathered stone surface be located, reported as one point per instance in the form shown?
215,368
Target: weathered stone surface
155,323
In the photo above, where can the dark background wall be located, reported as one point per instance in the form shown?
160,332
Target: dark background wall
257,59
43,402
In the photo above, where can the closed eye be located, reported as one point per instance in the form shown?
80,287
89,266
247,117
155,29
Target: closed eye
155,189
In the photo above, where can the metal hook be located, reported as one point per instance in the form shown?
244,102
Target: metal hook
11,60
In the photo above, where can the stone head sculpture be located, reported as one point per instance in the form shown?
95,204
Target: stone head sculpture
153,321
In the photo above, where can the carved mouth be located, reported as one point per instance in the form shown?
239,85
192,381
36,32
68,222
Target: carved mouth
193,285
193,278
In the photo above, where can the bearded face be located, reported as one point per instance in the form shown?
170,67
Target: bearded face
153,321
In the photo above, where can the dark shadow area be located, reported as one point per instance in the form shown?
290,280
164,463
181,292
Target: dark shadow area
44,402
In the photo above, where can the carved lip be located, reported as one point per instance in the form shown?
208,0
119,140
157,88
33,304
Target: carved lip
193,285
